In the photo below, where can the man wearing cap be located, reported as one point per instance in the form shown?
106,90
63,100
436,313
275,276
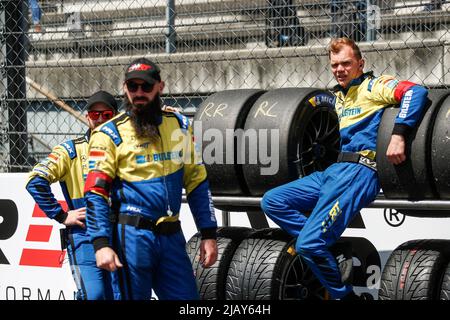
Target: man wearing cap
68,164
142,160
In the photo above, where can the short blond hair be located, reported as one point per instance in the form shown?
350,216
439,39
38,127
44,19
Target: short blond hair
337,44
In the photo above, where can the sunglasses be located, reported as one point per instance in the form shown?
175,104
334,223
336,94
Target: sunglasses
106,114
145,86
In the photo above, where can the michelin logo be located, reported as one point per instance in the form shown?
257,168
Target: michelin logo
325,99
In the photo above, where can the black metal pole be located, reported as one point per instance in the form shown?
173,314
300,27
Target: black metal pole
171,34
15,42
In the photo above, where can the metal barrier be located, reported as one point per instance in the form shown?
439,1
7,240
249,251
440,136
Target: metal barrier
51,65
239,202
251,205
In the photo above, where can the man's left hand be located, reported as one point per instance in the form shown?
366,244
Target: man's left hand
208,252
396,149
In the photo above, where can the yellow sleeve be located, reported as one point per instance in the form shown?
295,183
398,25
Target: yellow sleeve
102,154
55,167
382,89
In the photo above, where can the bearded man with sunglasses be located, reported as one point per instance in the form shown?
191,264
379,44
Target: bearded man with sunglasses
68,164
141,160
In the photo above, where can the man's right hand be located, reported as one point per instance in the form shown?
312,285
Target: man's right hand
76,218
107,259
208,252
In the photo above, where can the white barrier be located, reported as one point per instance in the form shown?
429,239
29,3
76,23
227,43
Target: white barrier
33,267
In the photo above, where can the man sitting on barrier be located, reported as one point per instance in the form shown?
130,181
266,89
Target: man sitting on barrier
67,163
143,158
337,194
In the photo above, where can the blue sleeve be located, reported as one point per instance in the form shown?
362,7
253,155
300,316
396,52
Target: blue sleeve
412,107
40,190
200,203
99,226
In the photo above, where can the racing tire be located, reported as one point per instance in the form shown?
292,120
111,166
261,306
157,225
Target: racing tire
445,286
265,266
221,113
413,179
306,124
414,271
211,280
440,150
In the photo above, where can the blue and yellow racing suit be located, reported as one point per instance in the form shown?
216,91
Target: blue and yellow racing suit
144,179
68,164
337,194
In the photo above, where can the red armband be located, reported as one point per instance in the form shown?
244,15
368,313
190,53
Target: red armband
401,88
99,182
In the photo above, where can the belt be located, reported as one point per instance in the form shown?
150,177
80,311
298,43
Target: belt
141,222
357,158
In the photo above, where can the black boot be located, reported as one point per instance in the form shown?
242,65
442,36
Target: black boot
342,251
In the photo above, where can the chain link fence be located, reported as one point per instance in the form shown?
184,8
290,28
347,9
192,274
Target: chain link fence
56,53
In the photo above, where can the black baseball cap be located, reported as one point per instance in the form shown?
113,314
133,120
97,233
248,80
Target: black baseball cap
143,69
104,97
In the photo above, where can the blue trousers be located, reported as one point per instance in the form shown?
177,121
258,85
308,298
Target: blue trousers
92,282
158,262
333,197
36,12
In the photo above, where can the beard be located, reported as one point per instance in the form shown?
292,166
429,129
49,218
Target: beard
145,118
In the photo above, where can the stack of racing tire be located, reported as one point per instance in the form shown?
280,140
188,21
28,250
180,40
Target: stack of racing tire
241,132
242,128
418,269
252,141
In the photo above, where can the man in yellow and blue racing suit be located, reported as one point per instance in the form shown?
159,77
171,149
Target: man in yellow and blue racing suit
68,164
336,195
142,159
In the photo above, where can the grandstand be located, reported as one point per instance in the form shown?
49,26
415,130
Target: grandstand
86,34
85,29
219,45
